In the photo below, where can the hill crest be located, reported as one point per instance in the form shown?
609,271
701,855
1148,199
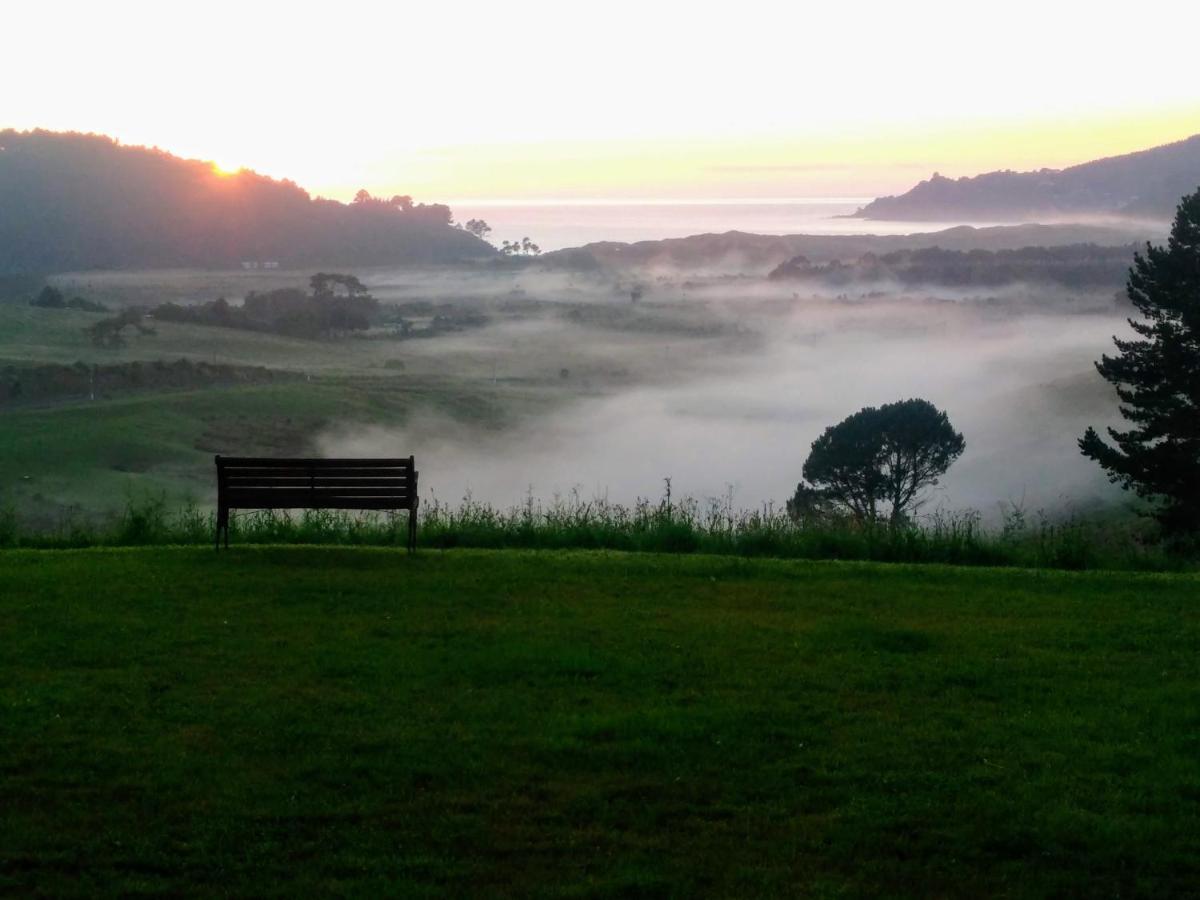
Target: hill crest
80,201
1142,184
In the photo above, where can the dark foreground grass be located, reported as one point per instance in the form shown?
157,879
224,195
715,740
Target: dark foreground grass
320,721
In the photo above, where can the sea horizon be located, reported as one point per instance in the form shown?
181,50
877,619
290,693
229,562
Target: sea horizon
558,223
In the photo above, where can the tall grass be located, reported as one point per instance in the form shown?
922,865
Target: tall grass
665,526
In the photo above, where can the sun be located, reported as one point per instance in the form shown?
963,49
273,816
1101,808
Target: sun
224,171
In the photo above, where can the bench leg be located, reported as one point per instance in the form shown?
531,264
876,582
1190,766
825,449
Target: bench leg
412,531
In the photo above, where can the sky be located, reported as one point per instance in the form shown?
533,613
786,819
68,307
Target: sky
587,101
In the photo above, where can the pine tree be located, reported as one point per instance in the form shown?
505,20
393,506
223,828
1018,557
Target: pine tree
1158,380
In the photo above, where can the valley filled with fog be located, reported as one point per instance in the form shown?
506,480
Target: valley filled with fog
722,387
593,374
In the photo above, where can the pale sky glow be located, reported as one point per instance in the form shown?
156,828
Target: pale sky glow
573,100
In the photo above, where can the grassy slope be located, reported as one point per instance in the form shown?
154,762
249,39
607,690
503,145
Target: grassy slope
94,455
299,721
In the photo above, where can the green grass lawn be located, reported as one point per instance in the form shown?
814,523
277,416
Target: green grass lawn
314,721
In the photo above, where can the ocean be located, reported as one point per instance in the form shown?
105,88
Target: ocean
554,225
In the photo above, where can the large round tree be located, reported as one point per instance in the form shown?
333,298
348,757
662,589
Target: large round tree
1157,377
880,459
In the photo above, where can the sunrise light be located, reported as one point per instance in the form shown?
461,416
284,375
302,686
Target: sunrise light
644,447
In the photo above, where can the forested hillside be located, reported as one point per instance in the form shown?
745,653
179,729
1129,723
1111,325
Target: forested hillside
80,201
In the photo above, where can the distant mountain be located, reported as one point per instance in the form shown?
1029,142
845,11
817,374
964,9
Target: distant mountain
1146,184
737,252
81,201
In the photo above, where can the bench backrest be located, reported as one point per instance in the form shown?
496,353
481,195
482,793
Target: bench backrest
263,483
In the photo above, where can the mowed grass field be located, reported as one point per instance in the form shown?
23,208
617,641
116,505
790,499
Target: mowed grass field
326,721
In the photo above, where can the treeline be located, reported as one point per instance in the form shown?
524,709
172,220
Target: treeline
286,311
51,297
43,383
1077,266
79,201
337,304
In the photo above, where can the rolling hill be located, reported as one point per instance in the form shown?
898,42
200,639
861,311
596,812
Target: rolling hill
1145,184
82,201
739,252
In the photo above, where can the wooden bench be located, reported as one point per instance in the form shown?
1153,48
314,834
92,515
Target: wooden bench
262,483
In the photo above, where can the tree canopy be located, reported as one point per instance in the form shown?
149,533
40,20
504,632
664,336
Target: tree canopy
880,457
479,228
1157,378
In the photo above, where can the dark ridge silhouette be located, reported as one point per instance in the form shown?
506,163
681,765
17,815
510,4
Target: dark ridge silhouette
84,201
1078,266
1147,184
741,252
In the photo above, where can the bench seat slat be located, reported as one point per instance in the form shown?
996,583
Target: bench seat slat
236,495
296,472
230,462
310,502
239,481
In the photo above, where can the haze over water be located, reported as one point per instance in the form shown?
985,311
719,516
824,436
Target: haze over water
554,225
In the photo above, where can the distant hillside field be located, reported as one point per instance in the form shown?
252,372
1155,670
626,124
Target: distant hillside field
1145,184
305,721
80,201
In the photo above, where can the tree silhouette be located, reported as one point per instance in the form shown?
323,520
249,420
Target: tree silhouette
1157,379
324,285
885,455
479,228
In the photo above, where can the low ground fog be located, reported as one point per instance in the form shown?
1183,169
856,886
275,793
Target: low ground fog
723,386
